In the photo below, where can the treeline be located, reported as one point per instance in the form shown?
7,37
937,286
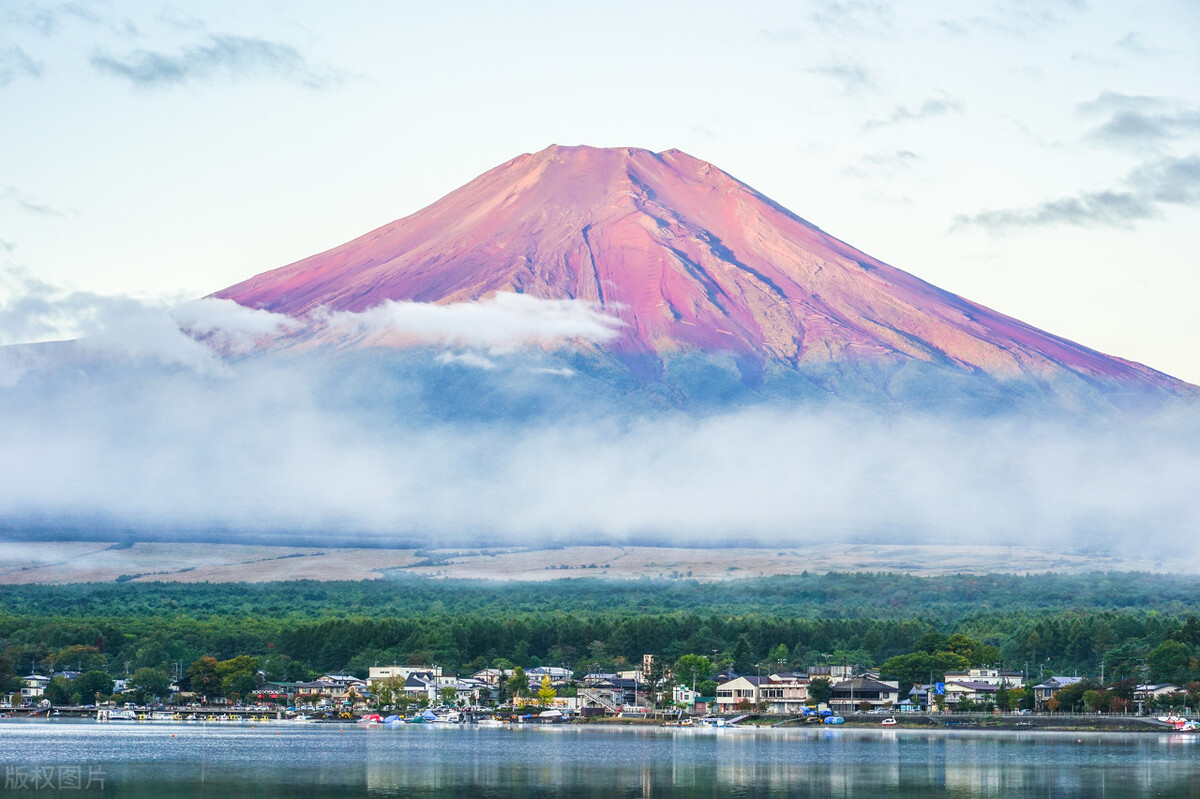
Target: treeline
835,595
299,630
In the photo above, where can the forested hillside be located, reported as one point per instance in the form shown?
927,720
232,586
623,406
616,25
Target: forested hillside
1140,626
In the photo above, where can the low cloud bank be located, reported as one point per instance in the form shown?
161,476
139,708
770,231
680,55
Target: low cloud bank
403,447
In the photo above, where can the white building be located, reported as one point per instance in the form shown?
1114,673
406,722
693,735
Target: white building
996,677
778,693
35,686
682,695
383,672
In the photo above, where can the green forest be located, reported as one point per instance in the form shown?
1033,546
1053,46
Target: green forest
1131,626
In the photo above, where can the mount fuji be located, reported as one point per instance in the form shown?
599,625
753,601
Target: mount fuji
715,289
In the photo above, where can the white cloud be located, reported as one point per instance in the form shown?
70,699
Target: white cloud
271,448
472,359
230,327
506,319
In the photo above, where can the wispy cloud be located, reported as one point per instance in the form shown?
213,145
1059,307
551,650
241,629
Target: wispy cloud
846,17
218,55
853,77
933,107
1142,195
1134,43
888,163
1028,17
1140,122
30,204
48,18
16,63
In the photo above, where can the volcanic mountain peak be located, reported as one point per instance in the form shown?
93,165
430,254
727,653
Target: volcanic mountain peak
689,258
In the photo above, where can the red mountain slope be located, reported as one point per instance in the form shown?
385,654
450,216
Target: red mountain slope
689,257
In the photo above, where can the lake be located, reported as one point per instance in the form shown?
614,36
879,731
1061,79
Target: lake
328,760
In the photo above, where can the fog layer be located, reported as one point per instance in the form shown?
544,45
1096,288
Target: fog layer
140,427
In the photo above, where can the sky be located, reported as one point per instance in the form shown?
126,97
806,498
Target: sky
1041,157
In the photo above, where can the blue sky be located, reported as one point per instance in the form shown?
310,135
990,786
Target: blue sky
1042,158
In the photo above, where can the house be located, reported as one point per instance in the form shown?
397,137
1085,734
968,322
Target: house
776,693
1144,695
35,686
683,696
616,692
383,672
331,688
996,677
831,673
1044,692
491,676
958,691
344,681
557,674
276,691
473,692
849,695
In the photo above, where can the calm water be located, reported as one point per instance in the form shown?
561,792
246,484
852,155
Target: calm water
318,760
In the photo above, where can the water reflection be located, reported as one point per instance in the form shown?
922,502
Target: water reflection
320,761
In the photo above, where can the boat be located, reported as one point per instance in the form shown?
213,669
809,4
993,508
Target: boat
372,718
834,720
492,722
448,717
393,721
715,722
115,714
888,722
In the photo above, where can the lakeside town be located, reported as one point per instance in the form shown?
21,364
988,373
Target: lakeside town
688,691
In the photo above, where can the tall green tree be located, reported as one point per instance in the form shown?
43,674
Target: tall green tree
92,685
1171,661
819,690
58,691
206,681
150,683
693,670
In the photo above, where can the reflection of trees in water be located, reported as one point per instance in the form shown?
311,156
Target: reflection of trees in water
586,761
620,763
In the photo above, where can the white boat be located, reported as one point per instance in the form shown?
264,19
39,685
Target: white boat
448,717
713,721
888,722
115,714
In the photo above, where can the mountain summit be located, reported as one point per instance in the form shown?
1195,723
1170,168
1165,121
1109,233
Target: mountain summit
693,261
